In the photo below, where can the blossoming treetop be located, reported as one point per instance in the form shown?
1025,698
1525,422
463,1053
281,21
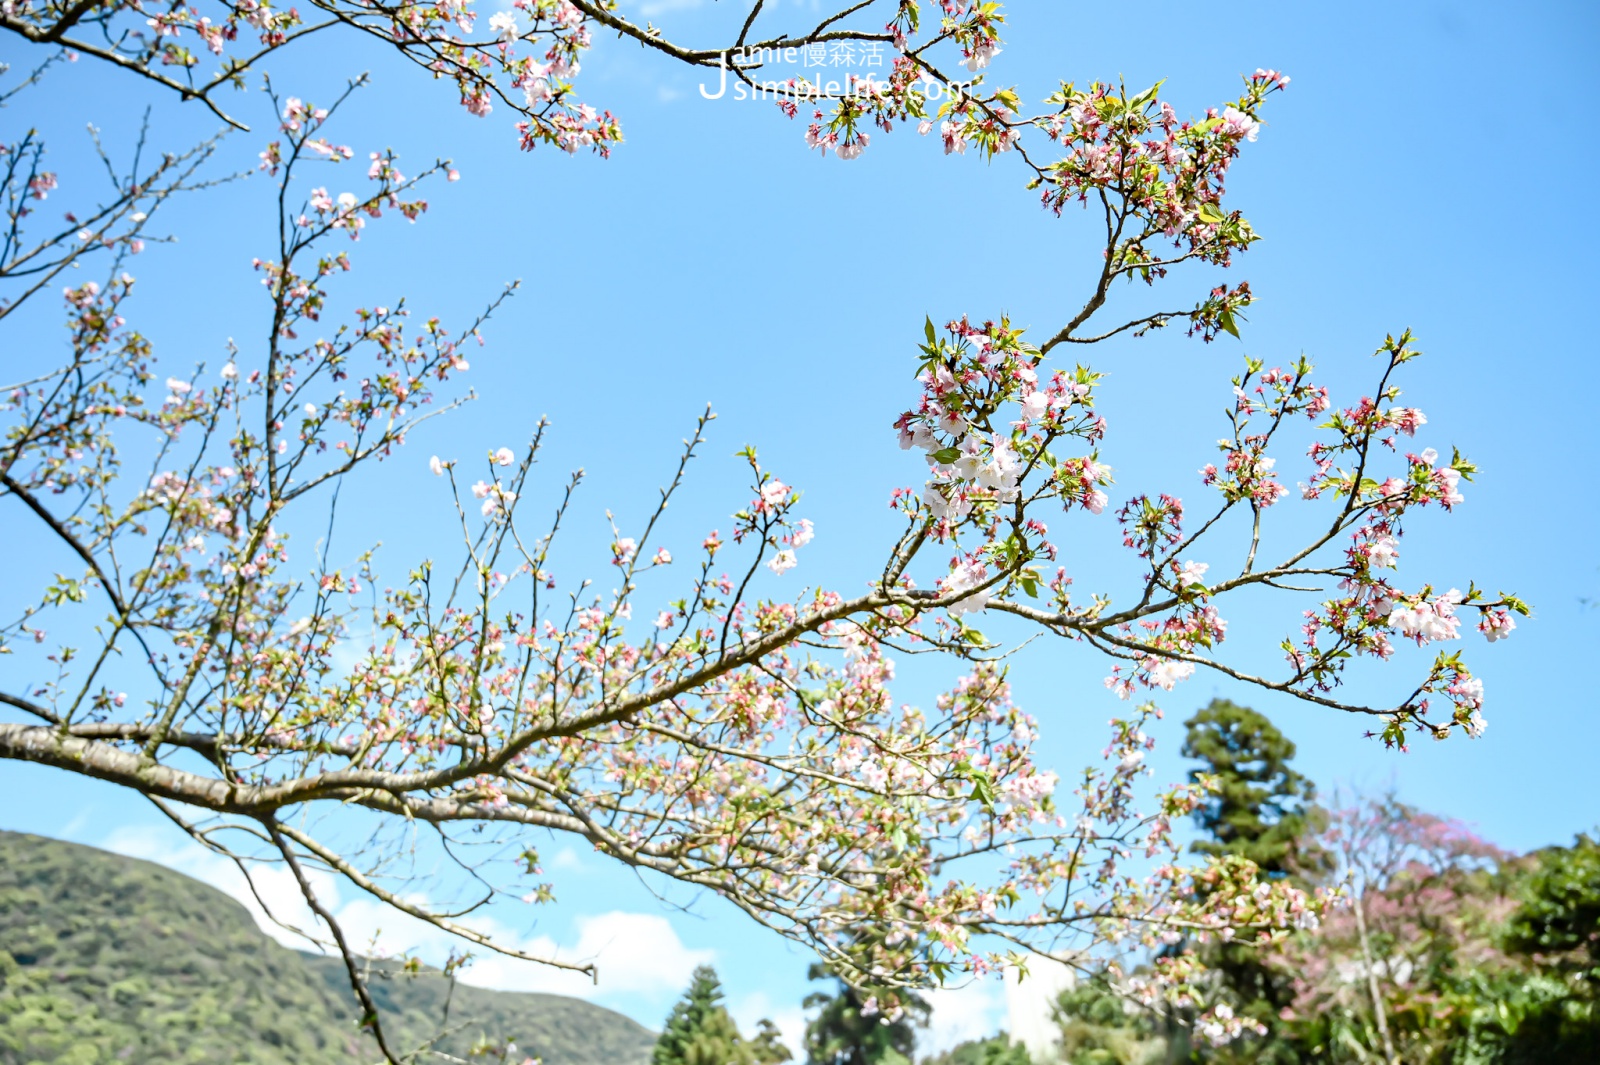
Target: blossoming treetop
713,728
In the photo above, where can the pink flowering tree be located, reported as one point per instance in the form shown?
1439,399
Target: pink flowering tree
1388,971
706,722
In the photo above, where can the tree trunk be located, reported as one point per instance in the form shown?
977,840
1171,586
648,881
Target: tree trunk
1372,984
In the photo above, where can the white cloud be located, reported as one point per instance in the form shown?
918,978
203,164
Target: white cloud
77,824
351,651
566,858
973,1011
635,953
638,955
652,8
982,1008
1028,1003
275,885
750,1010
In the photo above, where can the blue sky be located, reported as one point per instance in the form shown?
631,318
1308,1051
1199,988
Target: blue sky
1426,169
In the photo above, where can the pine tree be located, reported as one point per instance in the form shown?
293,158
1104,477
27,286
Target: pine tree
1263,810
699,1031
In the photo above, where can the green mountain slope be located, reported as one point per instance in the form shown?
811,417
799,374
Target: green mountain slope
106,959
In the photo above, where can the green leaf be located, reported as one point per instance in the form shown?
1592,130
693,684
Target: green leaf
982,789
947,454
1210,214
928,330
1138,102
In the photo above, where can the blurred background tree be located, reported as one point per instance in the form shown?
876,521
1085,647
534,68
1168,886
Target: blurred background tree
1265,811
1397,973
1099,1027
996,1050
1551,1014
1262,809
700,1031
843,1034
767,1047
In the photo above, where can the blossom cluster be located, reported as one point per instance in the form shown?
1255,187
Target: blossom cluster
524,58
736,732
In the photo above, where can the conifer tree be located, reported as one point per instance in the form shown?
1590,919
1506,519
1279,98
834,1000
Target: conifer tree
699,1031
1263,810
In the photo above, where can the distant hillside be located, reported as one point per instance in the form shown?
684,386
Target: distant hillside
106,959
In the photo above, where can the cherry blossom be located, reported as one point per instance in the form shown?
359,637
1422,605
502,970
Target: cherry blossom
746,734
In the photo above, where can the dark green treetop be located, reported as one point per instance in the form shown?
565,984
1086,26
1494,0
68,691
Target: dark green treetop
1263,810
841,1034
700,1031
1559,918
